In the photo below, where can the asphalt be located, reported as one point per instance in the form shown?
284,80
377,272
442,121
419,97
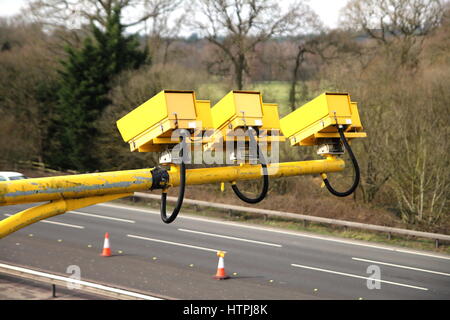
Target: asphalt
17,288
178,260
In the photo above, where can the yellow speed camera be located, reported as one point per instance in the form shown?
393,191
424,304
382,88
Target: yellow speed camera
319,118
149,127
239,111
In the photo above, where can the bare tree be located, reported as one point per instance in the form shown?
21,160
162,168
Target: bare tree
299,59
73,13
397,30
325,47
419,161
163,30
68,19
404,23
236,27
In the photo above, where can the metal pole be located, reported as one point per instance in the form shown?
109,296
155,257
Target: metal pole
74,186
47,210
68,193
120,182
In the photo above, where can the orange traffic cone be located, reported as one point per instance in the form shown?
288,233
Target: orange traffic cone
106,249
221,274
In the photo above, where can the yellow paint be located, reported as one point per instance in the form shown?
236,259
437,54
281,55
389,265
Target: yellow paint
48,210
159,116
251,172
239,108
127,182
317,119
146,115
68,193
271,118
203,108
162,106
74,186
221,254
78,187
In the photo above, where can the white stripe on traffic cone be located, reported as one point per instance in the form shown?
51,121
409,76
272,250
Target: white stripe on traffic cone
106,249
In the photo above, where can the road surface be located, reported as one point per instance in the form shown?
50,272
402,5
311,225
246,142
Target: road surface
179,260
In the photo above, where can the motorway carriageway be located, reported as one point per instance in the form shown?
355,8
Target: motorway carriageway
179,260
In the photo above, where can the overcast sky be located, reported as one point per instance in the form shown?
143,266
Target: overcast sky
328,10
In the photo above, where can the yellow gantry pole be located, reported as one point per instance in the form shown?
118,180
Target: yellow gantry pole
66,193
251,172
74,186
48,210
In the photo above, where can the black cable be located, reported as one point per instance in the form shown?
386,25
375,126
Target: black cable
265,189
182,188
355,165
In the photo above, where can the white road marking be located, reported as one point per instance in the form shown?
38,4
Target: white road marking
63,224
232,238
348,242
115,206
173,243
359,277
400,266
57,223
102,217
81,282
422,254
